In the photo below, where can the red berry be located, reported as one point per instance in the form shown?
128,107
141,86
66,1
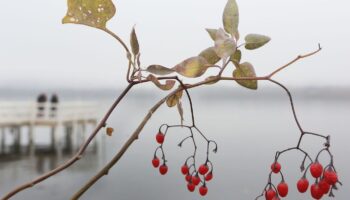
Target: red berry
203,190
160,138
302,185
330,176
316,169
155,162
270,194
209,176
276,167
163,169
203,169
191,187
184,169
196,180
316,191
325,187
188,177
282,189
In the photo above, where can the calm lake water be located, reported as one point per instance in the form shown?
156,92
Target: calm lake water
248,126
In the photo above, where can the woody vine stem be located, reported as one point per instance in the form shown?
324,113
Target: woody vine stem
226,49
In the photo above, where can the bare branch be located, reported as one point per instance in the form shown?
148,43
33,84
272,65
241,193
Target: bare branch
295,60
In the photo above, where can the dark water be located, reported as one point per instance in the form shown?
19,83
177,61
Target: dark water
249,130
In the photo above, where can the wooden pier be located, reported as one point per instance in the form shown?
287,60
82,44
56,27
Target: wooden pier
19,121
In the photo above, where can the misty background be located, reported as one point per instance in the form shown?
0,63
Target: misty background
37,51
39,54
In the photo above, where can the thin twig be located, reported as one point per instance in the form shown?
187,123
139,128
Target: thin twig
291,103
295,60
117,38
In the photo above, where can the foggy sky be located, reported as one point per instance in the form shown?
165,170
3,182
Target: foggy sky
37,50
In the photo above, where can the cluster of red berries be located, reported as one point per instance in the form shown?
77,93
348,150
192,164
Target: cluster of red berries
163,169
194,177
325,180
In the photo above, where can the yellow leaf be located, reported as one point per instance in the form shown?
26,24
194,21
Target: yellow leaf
246,70
94,13
192,67
159,70
174,99
210,55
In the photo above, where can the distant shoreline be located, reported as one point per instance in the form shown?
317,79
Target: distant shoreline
317,93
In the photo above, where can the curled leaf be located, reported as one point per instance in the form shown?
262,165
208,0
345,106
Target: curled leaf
91,13
169,84
224,46
134,43
231,18
174,99
192,67
210,55
159,70
246,70
181,111
254,41
109,131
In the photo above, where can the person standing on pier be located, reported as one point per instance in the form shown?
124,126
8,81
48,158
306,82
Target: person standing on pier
54,103
41,100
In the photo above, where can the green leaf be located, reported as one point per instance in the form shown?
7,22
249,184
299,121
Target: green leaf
245,70
169,84
94,13
254,41
192,67
159,70
236,57
174,99
134,43
224,45
210,55
231,18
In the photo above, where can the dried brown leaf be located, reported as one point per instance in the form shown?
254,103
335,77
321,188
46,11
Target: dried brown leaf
169,84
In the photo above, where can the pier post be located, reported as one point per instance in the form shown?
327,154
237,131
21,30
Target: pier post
31,145
3,140
17,141
69,139
53,138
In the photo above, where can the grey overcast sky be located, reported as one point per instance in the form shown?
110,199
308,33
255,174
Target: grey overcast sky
36,49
